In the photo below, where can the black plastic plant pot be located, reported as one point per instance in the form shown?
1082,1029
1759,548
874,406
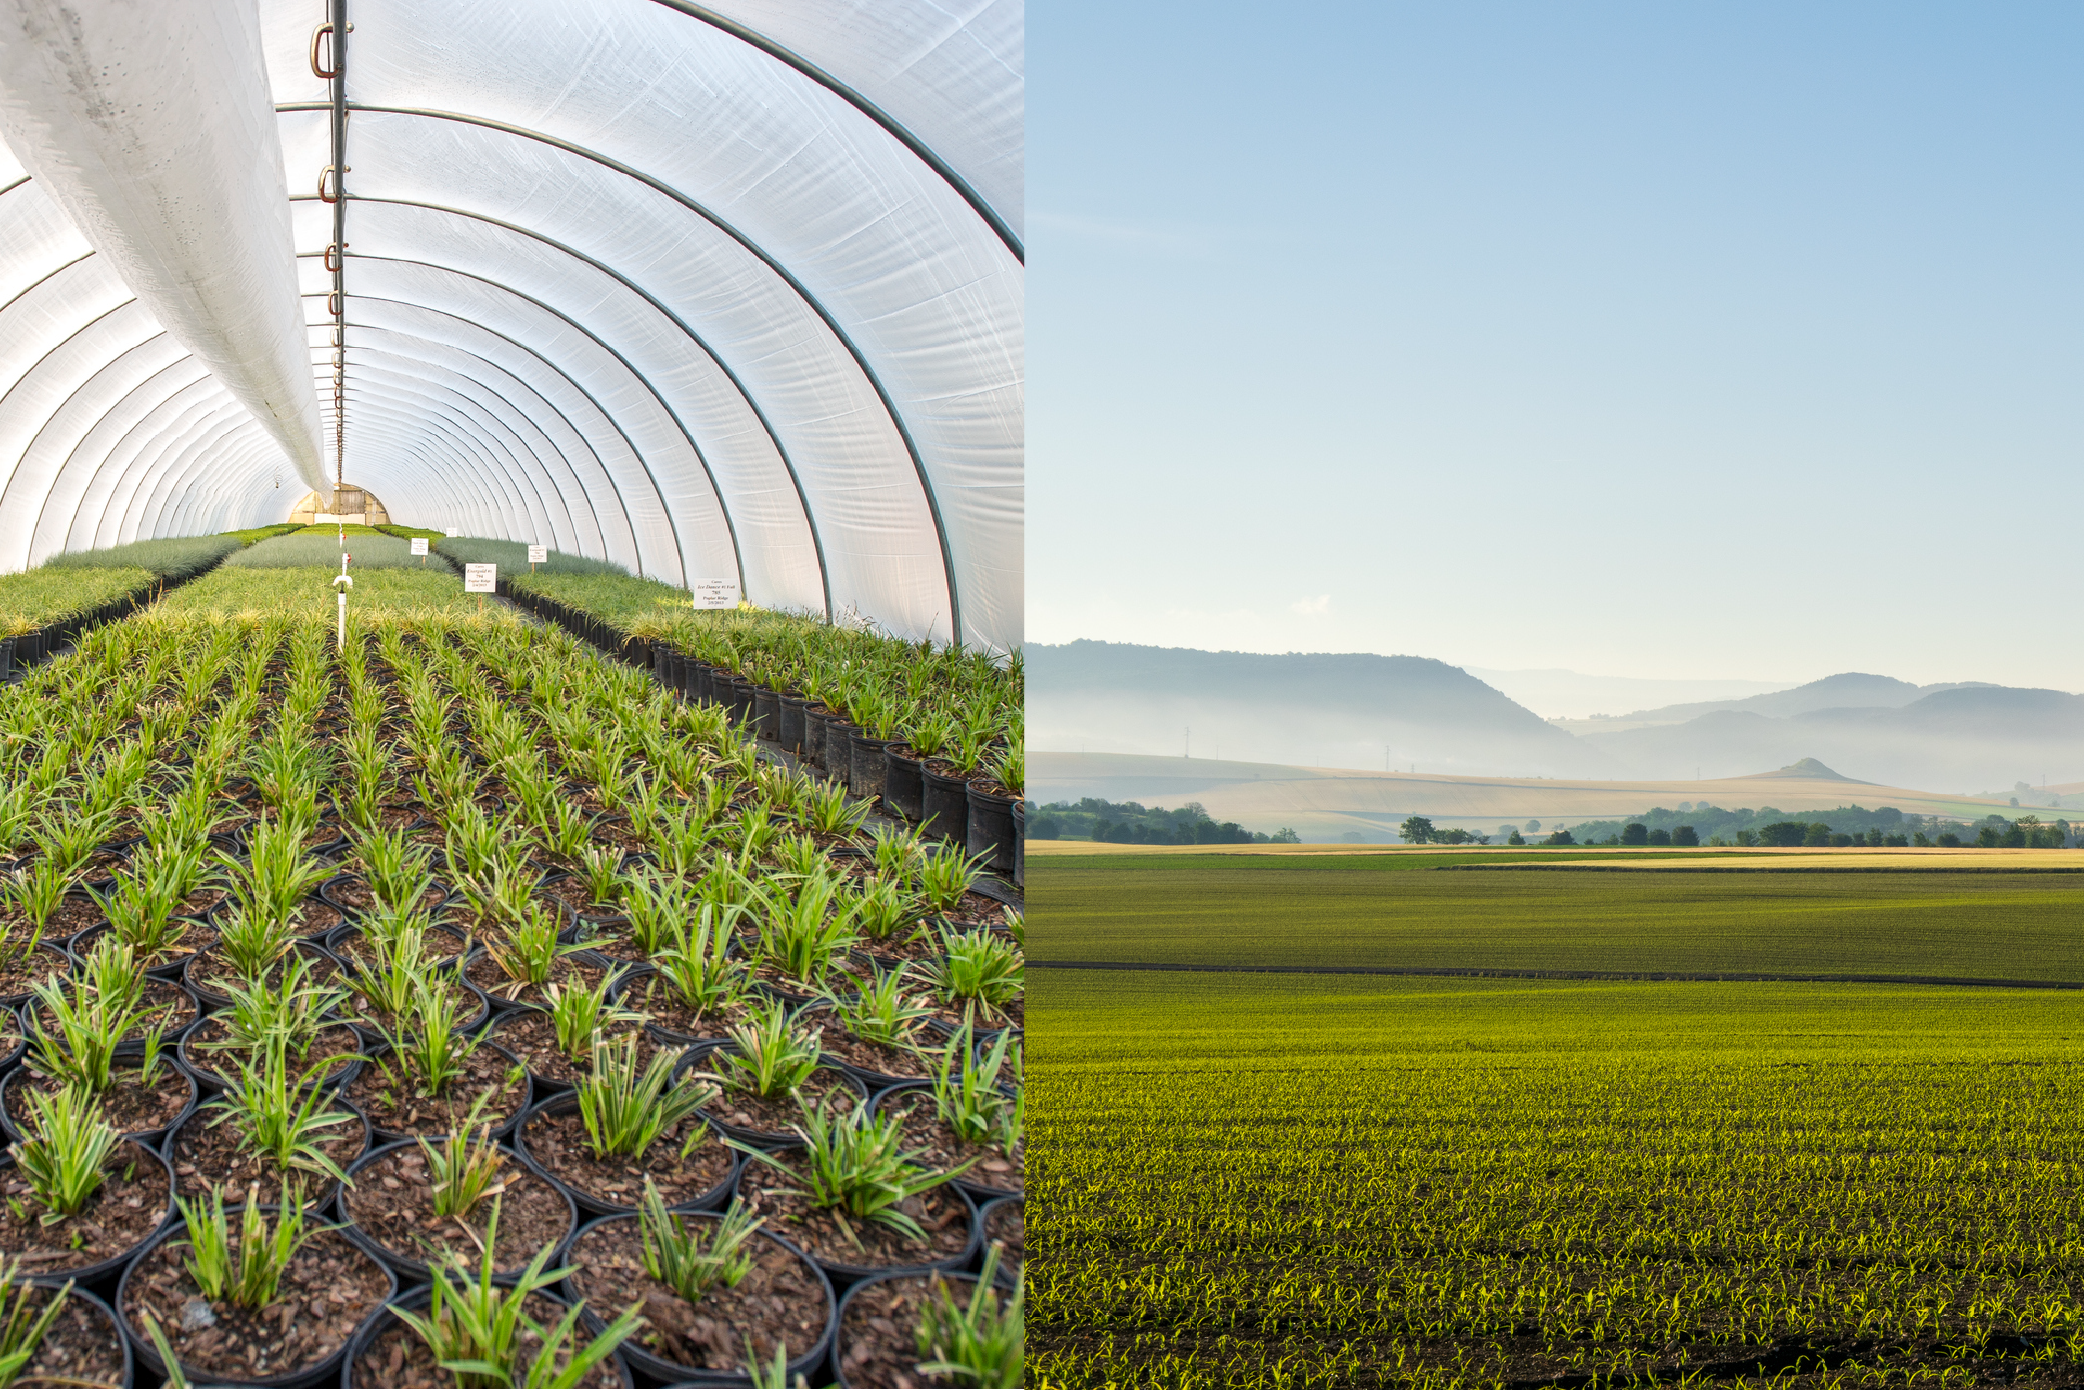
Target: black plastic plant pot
326,1371
1020,844
904,788
146,1157
816,723
6,659
803,1366
149,1137
411,1270
28,648
102,1314
964,1283
869,759
767,713
944,805
839,750
372,1333
700,681
991,829
980,1192
1010,1261
196,967
839,1271
318,1200
502,1131
591,1206
207,1079
12,1057
791,737
133,1048
857,1091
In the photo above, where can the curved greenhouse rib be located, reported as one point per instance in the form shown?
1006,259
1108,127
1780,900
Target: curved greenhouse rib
895,128
557,450
73,395
760,253
468,440
210,386
810,519
723,507
72,522
5,396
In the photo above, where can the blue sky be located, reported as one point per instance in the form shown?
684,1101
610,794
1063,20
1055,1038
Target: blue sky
1649,340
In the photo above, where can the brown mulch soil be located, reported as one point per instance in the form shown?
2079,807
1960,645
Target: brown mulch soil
397,1356
326,1292
202,900
334,1045
1005,1226
463,1001
186,939
355,948
205,1155
392,1202
23,975
976,910
944,1151
1007,1016
133,1200
572,892
668,1013
132,1108
877,1057
823,1234
898,949
529,1035
314,917
840,976
484,972
392,1105
781,1300
612,939
876,1344
777,1116
82,1347
556,1139
76,912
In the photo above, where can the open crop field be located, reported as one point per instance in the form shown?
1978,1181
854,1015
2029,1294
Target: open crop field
1324,1180
462,957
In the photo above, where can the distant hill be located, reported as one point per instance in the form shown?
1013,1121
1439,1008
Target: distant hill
1356,709
1847,690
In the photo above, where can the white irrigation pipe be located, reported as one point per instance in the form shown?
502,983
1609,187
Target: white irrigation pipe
341,584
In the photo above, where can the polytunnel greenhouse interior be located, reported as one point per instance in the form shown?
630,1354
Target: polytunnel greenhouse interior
512,837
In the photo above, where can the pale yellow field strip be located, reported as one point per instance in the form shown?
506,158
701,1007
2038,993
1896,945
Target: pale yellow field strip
1630,857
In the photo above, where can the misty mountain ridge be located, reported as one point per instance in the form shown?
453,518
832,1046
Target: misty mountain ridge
1362,710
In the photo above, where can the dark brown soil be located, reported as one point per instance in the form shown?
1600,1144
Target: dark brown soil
355,948
76,912
1005,1226
391,1104
944,1151
205,1154
132,1108
778,1116
556,1139
133,1200
825,1235
324,1295
781,1300
187,938
668,1013
336,1042
876,1335
612,939
899,949
529,1035
315,918
484,972
392,1202
572,892
976,910
23,975
355,893
956,1014
82,1347
902,1063
202,900
465,1003
397,1356
840,976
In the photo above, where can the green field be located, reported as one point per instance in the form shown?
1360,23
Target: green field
1334,1180
1418,911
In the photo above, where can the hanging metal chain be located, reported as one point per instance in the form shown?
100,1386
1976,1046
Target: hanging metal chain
329,64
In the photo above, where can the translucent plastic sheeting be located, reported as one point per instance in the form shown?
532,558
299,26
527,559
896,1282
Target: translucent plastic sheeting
707,291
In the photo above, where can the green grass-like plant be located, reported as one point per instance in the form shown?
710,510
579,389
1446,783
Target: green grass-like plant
690,1264
881,1011
978,1343
278,1118
580,1014
531,950
967,1095
463,1169
22,1323
854,1165
978,972
68,1143
250,1277
474,1326
771,1057
626,1108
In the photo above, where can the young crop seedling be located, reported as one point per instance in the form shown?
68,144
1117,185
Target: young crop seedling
881,1012
400,968
22,1323
699,972
626,1109
978,973
887,914
398,872
854,1165
62,1158
771,1058
275,877
945,878
828,812
803,934
251,1277
278,1118
474,1326
286,1015
31,895
77,1045
463,1171
428,1045
689,1264
602,867
982,1342
250,943
658,906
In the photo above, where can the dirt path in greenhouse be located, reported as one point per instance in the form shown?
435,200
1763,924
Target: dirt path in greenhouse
1489,973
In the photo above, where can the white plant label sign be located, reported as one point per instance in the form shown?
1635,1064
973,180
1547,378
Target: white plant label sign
481,579
715,593
453,533
419,545
538,553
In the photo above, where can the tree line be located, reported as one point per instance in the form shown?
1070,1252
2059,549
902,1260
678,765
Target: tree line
1132,823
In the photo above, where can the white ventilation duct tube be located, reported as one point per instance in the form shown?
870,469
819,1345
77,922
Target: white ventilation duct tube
151,123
